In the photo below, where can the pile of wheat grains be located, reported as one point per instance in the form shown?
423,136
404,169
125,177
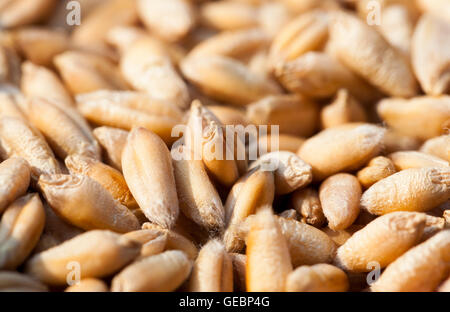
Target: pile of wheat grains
113,114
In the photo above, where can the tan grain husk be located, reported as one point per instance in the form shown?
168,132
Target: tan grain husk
84,202
64,128
417,189
268,260
317,278
163,272
197,196
383,240
14,180
377,169
111,250
148,171
343,148
212,270
18,138
420,269
20,228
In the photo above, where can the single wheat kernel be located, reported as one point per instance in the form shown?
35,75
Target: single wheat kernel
38,81
251,192
106,113
430,42
438,146
148,171
207,139
14,180
83,72
377,169
88,285
422,117
293,114
163,272
108,177
228,80
307,204
147,67
84,202
39,45
256,189
113,141
137,100
318,75
383,240
413,159
317,278
18,138
20,228
340,195
344,109
343,148
360,47
268,261
308,32
212,270
15,281
419,189
65,130
307,245
197,196
290,171
422,268
111,251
